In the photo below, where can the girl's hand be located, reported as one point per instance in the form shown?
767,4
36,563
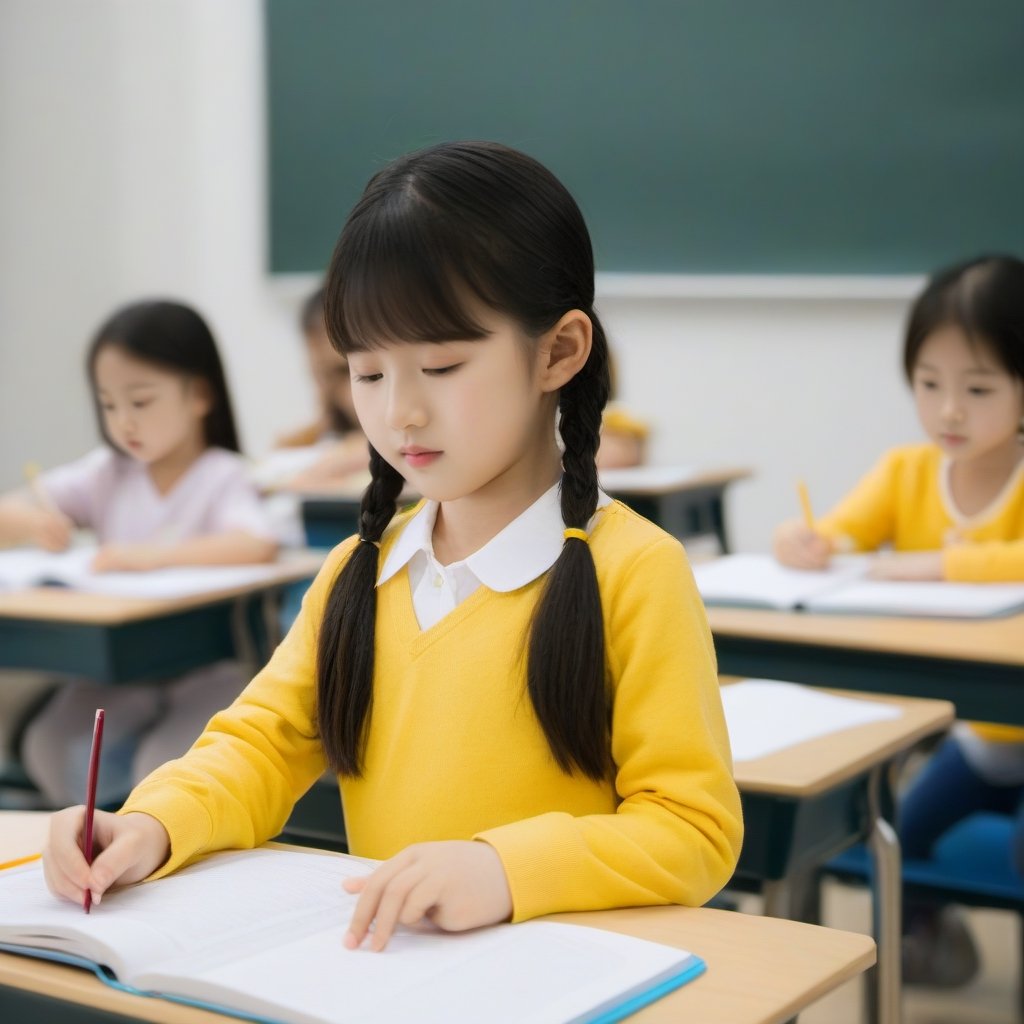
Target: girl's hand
908,565
128,558
457,885
132,847
799,547
50,530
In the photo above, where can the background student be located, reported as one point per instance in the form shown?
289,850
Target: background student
340,446
951,509
169,488
515,681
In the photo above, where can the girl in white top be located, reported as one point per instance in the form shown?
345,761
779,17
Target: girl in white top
170,488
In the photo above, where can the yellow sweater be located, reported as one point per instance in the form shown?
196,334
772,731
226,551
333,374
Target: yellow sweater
454,750
905,501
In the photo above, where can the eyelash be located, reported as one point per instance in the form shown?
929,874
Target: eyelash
437,371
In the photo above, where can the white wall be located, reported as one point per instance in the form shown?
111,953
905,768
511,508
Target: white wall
132,163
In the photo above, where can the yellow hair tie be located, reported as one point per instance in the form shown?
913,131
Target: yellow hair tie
578,534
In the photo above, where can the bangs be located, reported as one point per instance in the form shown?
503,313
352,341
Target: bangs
404,275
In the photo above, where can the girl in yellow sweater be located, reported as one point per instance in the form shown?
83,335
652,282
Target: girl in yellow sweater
514,681
951,509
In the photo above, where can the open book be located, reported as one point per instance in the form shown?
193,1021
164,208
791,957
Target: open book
31,567
259,934
758,581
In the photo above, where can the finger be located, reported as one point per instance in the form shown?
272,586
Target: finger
422,901
63,846
59,883
353,885
371,891
391,905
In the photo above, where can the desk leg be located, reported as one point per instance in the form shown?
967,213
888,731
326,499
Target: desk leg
887,897
241,633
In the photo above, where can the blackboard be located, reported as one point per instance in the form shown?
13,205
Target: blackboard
699,136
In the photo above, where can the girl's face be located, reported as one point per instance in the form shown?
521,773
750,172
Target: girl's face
459,418
967,403
150,413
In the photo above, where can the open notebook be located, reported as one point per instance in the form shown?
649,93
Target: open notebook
30,567
258,934
758,581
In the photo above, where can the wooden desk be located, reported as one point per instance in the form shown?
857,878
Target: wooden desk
805,804
685,502
118,639
760,970
978,664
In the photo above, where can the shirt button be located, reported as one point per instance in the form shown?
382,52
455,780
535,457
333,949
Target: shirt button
438,581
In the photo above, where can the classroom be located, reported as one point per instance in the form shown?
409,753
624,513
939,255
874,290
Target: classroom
768,190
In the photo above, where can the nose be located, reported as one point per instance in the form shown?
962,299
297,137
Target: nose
406,407
952,408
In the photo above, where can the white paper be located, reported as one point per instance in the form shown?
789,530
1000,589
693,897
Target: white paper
939,599
764,715
26,567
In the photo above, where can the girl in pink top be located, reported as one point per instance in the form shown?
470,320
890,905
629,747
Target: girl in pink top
169,488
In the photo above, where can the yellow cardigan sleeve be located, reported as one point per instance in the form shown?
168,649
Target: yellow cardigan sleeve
985,562
676,834
866,518
236,786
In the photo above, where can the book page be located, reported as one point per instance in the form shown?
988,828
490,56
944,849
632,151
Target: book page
26,567
940,599
220,907
540,972
759,580
764,716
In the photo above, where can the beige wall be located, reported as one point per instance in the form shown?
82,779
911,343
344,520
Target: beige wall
132,163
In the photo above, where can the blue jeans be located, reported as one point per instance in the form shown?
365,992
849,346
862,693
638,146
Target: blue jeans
947,791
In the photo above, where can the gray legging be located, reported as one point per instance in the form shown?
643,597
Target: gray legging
146,724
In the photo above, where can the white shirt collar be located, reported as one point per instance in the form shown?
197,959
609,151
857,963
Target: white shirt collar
522,551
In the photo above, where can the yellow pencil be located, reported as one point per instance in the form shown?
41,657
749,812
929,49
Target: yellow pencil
805,504
17,862
32,476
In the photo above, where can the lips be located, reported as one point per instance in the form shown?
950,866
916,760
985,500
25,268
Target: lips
418,457
953,439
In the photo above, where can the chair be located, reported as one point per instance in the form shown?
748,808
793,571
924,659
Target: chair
971,865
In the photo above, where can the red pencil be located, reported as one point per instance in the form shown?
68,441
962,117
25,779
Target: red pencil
90,797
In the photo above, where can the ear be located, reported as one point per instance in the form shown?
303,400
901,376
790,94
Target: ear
563,350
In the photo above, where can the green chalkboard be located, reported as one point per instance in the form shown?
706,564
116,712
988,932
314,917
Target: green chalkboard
699,136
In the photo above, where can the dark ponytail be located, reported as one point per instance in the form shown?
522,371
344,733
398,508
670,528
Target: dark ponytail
344,664
456,222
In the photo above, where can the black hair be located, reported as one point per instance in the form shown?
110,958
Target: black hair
985,298
173,337
436,230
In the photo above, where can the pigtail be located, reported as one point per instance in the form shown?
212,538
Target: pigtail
566,675
344,662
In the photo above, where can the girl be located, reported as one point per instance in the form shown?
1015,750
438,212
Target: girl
335,434
169,488
513,681
952,509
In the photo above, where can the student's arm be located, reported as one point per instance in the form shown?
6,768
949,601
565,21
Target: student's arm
234,548
866,518
236,787
676,835
986,562
23,521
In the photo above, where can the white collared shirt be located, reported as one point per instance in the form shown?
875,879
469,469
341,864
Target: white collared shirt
522,551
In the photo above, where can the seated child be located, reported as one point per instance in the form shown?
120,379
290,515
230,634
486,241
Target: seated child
168,488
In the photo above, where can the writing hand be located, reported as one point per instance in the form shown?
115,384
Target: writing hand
797,546
128,558
457,885
132,846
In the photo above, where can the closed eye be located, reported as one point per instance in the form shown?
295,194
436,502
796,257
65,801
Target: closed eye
440,371
367,378
980,391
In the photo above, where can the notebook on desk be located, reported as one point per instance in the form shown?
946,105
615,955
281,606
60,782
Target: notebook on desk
258,934
758,581
30,567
